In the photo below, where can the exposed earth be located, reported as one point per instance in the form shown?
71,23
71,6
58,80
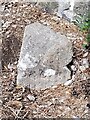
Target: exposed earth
62,101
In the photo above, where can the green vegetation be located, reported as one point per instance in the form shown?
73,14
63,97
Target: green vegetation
84,24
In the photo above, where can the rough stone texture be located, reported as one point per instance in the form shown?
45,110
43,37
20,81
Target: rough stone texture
78,8
82,7
43,58
69,9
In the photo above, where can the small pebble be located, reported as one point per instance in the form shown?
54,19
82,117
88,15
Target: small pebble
68,82
54,86
76,118
10,5
85,54
73,68
1,101
31,98
4,76
7,14
85,63
8,32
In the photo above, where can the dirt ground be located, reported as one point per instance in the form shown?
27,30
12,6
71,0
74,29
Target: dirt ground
62,101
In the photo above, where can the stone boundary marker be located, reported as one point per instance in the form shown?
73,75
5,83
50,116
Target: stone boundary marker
43,57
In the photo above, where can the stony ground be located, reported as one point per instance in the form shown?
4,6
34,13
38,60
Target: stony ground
62,101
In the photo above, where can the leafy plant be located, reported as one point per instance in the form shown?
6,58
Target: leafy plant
84,24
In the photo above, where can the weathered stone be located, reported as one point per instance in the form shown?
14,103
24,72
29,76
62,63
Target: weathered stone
43,58
31,97
63,5
68,15
69,9
68,82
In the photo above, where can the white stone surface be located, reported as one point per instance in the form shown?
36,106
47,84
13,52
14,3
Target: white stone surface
31,97
49,72
43,57
68,82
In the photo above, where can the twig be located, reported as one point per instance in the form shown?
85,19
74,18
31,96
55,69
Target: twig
25,114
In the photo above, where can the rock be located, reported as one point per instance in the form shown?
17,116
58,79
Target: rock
68,82
70,9
75,117
58,6
43,57
85,63
31,98
81,7
48,6
68,15
73,68
62,5
85,54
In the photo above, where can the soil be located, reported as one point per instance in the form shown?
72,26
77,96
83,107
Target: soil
71,101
